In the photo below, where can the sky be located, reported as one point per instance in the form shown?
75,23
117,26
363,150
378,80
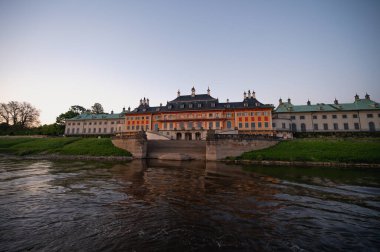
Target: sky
55,54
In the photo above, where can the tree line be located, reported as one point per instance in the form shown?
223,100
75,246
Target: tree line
21,118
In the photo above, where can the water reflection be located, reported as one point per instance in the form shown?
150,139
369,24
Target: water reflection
157,205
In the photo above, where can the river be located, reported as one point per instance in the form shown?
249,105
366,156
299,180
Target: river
186,206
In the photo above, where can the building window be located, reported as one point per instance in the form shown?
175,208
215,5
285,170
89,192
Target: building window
85,123
369,115
229,125
84,131
356,125
112,129
240,125
336,126
77,130
294,127
210,115
303,127
354,116
324,116
210,125
266,124
292,117
105,130
128,127
315,117
95,123
273,125
253,125
259,124
99,130
283,125
345,126
217,125
344,116
371,126
156,126
190,105
199,125
246,125
100,123
182,105
199,105
137,127
325,126
90,123
302,117
334,116
171,125
315,126
213,105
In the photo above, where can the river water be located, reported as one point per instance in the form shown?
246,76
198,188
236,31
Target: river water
186,206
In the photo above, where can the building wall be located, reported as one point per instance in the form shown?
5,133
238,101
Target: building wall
250,120
329,121
94,126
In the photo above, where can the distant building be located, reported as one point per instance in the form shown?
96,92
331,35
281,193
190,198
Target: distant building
96,124
189,117
361,115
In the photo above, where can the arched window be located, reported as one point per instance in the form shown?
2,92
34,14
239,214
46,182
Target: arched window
371,126
303,127
229,125
294,127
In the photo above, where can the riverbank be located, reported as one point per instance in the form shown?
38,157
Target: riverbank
68,148
321,152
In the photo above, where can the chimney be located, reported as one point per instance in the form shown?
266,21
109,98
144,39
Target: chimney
193,92
141,101
178,93
249,93
336,101
253,94
289,101
280,101
147,101
144,101
245,95
356,97
208,91
111,112
129,108
308,102
123,109
228,100
367,96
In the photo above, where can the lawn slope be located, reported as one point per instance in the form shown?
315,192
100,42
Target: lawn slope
351,150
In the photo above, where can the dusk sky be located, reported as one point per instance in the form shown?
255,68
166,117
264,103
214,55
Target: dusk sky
55,54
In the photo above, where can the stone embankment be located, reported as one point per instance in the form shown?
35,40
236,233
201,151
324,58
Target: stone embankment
66,157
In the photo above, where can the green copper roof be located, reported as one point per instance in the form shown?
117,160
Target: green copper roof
359,104
97,116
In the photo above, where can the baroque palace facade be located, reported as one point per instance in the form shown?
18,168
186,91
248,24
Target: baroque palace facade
188,117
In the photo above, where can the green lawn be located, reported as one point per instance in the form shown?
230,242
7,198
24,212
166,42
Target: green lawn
323,150
64,146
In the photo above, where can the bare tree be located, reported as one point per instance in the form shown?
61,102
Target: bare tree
19,114
4,113
14,111
28,115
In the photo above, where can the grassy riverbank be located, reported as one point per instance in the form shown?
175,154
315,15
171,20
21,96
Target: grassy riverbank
63,146
352,150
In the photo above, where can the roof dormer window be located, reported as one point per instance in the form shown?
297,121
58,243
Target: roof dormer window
182,106
213,104
199,105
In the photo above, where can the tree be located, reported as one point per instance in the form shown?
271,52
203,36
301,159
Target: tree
4,113
19,114
97,108
28,115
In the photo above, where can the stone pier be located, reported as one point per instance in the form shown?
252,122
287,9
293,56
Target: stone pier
136,144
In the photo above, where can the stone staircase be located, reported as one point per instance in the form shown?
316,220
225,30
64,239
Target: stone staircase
176,149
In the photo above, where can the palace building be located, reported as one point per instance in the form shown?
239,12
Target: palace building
188,117
362,115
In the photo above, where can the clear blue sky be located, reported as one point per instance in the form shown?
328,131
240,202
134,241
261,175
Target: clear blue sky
55,54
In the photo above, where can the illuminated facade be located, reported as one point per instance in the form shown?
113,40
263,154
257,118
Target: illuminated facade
190,116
